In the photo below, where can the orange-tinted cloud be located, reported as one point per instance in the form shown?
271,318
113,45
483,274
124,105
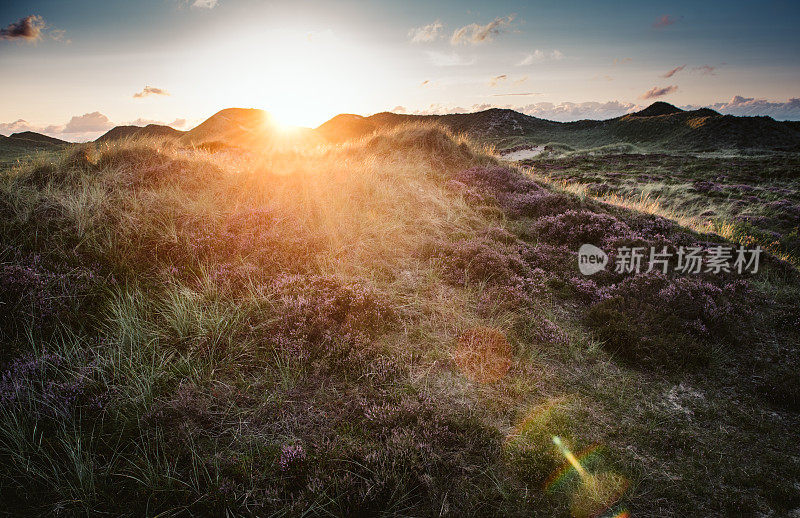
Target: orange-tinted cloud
150,90
474,34
665,21
27,29
674,71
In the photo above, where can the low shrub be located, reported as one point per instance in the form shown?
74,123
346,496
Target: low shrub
40,297
651,320
577,227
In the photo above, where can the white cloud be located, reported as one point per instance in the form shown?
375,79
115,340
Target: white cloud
750,106
539,55
425,34
567,111
7,128
205,4
564,112
441,59
87,122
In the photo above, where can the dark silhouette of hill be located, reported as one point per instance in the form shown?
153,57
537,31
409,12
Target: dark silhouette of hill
659,126
151,130
656,109
27,141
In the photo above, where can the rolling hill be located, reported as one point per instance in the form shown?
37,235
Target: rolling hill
659,126
28,141
151,130
243,127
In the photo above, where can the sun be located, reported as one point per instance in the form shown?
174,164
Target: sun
302,79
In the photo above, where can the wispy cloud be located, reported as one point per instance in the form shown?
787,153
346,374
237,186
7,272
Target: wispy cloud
496,80
622,61
516,94
539,55
706,70
204,4
673,71
440,109
475,34
150,90
426,33
665,21
656,92
28,29
452,59
425,83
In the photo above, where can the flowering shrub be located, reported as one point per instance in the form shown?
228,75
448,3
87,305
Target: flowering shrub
576,227
33,294
482,259
497,180
652,320
315,308
291,458
516,194
46,386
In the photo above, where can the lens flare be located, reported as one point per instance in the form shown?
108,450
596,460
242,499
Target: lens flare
597,493
574,464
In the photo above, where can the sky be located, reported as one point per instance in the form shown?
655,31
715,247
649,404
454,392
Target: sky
75,69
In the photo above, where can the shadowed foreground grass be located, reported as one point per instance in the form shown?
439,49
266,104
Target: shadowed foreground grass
393,326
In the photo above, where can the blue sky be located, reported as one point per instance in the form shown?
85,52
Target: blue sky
74,68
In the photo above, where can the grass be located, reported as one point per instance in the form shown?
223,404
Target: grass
747,199
391,326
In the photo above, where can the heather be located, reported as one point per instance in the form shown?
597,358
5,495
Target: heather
390,326
750,199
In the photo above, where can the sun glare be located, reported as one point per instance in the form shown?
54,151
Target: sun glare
305,81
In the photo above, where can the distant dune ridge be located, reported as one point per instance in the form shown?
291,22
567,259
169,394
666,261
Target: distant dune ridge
151,130
28,141
660,126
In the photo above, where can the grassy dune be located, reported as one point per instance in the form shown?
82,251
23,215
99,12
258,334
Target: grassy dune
391,326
